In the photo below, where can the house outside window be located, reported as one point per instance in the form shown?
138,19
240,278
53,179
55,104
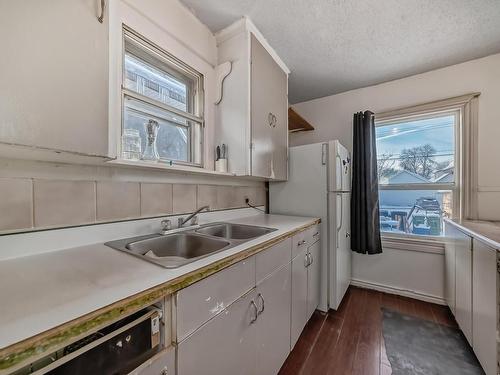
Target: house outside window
158,87
418,161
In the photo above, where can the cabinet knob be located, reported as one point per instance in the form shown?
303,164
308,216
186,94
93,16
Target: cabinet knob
256,312
272,120
263,302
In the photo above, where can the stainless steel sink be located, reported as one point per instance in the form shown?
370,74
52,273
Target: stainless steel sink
177,249
234,231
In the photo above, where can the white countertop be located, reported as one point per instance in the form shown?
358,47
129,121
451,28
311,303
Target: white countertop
485,231
40,292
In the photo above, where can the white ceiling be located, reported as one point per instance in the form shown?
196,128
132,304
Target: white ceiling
333,46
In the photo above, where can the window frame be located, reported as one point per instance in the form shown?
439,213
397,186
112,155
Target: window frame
194,95
465,173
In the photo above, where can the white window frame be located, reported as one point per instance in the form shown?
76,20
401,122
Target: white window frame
195,101
464,187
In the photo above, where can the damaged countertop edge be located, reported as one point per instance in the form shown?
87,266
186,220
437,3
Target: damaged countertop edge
21,353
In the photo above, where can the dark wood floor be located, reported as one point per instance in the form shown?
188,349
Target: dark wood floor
350,341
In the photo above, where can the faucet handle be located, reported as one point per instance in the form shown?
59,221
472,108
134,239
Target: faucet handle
194,220
166,224
180,222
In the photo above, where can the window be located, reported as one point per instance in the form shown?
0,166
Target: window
157,86
417,158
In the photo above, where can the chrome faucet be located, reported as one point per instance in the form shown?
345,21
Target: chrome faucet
181,221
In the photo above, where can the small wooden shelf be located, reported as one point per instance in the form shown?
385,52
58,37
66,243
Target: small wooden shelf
297,123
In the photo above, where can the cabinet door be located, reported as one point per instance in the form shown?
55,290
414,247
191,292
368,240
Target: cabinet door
273,325
484,306
313,278
269,121
161,364
54,75
224,345
463,291
449,261
299,295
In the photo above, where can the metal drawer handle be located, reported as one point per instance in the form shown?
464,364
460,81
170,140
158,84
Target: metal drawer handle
263,302
306,260
103,7
311,259
300,243
272,120
316,234
254,319
347,235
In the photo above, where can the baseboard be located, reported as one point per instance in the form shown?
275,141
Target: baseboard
398,291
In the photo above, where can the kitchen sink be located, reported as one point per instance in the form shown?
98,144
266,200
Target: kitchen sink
177,249
234,231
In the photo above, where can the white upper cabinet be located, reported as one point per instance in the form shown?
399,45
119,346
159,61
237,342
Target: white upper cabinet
54,76
252,117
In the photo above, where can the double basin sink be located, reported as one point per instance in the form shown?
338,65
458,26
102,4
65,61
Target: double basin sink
177,249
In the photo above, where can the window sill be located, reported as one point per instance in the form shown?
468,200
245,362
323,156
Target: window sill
424,244
140,164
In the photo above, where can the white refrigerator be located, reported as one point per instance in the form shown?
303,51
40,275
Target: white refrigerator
319,185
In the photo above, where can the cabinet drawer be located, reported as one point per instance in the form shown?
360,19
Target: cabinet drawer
224,345
305,239
271,259
313,234
161,364
201,301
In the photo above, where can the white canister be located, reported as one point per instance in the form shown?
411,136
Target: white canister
221,165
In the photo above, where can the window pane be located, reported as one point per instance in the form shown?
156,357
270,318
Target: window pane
417,212
154,83
417,151
173,135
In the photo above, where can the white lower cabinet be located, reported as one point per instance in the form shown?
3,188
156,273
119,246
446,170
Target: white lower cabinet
299,295
463,283
450,266
245,319
484,306
161,364
273,324
223,345
306,283
313,278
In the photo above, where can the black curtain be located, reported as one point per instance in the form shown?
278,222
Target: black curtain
365,219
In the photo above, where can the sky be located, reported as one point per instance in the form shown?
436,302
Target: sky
438,132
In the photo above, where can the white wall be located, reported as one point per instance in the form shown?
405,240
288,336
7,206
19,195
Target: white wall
416,273
411,273
332,115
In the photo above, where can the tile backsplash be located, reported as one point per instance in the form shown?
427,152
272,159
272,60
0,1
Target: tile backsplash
28,204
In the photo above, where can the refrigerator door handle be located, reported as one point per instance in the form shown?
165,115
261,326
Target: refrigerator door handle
339,222
339,172
323,154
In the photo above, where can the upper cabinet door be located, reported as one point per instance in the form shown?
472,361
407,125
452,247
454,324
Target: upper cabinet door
54,75
269,118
